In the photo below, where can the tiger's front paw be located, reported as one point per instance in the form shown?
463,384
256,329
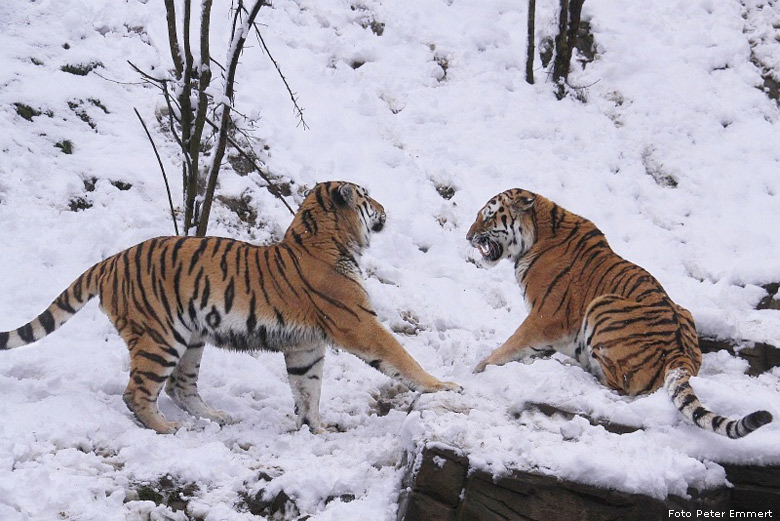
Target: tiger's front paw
482,366
220,417
443,386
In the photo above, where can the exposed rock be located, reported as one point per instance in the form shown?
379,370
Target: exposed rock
444,488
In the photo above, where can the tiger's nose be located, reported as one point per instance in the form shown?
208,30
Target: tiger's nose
379,224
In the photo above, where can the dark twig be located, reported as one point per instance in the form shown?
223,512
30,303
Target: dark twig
271,187
162,168
297,108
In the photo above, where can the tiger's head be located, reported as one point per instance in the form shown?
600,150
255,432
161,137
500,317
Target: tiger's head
339,208
504,226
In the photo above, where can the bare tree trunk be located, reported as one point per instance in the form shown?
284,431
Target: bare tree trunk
173,38
529,61
187,123
236,46
561,63
575,13
568,27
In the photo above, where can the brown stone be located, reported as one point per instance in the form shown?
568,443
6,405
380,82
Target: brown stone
755,488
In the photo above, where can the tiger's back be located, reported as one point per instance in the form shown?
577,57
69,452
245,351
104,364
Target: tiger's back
612,310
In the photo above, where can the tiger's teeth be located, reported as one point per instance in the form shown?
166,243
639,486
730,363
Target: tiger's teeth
484,248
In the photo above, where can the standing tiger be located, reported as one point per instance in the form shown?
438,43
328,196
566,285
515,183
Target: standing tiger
585,301
168,296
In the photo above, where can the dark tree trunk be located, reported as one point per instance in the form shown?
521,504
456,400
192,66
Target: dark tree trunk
529,63
568,27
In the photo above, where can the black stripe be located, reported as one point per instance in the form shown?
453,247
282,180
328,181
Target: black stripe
4,340
162,261
552,284
47,321
282,267
179,339
251,322
717,421
77,289
157,359
152,376
196,255
196,284
223,263
213,319
698,413
554,219
26,333
318,196
687,401
217,243
367,310
164,299
323,296
274,283
177,289
261,277
206,292
230,293
176,248
156,336
300,371
63,303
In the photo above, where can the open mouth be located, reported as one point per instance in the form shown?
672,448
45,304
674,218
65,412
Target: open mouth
490,249
378,225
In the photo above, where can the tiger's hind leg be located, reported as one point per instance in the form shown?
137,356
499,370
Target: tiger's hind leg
182,385
151,363
304,371
623,345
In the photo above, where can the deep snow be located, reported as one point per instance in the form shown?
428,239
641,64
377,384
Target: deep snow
439,101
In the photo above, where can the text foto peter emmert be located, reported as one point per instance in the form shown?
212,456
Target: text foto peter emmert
721,514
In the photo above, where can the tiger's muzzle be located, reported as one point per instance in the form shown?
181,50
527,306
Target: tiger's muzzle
491,250
379,223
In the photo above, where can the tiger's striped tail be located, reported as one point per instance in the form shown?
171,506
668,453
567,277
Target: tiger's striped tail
67,304
684,398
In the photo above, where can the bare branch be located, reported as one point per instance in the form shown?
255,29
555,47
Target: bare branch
145,74
173,39
293,98
162,168
236,46
529,62
271,187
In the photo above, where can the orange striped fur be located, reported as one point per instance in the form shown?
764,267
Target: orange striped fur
607,313
168,296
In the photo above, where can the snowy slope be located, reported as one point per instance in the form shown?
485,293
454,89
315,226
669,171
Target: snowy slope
437,100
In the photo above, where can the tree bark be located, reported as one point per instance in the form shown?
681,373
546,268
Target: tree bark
236,46
561,63
529,61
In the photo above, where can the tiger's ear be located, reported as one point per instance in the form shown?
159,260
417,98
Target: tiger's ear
343,195
524,203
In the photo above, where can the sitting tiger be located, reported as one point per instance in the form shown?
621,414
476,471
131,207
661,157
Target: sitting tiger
168,296
585,301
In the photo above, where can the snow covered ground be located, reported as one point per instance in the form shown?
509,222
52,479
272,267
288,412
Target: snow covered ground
436,101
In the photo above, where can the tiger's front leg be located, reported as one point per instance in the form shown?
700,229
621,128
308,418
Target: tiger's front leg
533,337
371,342
304,371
